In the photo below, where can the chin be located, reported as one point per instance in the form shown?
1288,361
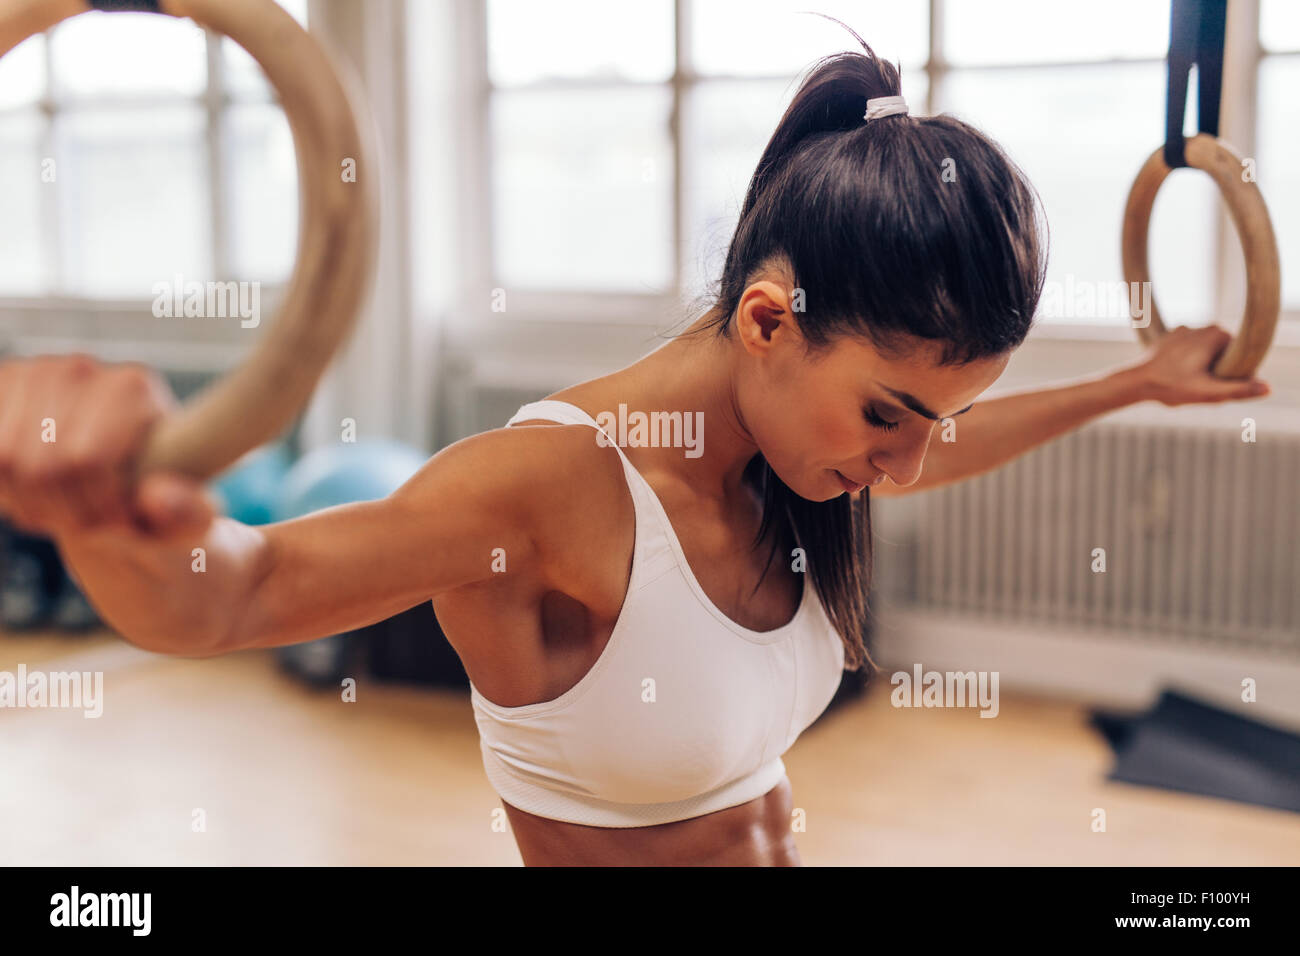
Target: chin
827,489
821,485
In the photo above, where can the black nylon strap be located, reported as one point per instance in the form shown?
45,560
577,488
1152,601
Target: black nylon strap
1196,36
118,6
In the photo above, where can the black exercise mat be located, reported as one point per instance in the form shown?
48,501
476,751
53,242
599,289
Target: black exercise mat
1116,728
1187,745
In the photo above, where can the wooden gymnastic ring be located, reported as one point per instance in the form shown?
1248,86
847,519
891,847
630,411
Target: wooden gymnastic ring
336,231
1249,214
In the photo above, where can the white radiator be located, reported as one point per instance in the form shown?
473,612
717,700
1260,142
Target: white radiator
1201,534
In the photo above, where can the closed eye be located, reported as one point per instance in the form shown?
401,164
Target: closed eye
879,422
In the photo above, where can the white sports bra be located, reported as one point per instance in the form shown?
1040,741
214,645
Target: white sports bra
684,713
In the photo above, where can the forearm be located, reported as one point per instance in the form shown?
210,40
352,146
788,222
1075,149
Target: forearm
169,597
995,432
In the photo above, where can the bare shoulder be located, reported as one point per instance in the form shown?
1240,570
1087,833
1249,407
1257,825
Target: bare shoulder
522,461
583,504
555,478
551,459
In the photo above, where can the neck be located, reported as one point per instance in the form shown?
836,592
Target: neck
697,373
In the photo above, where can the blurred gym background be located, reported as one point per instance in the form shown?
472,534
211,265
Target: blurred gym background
589,159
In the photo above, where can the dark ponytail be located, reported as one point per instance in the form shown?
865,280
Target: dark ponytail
901,225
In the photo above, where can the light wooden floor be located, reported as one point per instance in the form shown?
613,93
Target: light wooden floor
288,775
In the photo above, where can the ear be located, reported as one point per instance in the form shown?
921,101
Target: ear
763,314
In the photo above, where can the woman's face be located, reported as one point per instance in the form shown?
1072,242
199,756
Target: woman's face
852,413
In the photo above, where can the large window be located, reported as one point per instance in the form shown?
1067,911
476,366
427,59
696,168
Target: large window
136,147
1278,143
621,136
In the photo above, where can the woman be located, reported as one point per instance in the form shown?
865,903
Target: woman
647,628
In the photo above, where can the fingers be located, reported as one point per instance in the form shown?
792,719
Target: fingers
39,470
103,493
1187,363
1251,389
1229,389
170,504
1219,339
71,431
1212,332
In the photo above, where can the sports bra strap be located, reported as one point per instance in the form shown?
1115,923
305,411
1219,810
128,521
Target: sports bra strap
554,410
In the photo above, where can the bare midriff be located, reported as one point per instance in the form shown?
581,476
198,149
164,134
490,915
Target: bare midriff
757,833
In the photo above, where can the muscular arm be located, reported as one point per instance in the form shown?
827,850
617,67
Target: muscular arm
1176,371
331,571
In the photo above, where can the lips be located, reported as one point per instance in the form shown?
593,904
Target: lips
851,486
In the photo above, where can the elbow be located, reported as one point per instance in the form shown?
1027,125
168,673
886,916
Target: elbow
169,645
234,630
218,632
242,622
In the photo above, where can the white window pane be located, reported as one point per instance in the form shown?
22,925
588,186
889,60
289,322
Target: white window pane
133,188
1279,24
241,74
1181,248
114,53
1031,31
1081,134
726,124
579,39
297,9
24,270
263,191
22,73
583,189
777,37
1279,142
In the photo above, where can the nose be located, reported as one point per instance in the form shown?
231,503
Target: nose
903,459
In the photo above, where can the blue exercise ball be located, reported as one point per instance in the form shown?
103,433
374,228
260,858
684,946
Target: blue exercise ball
344,473
248,488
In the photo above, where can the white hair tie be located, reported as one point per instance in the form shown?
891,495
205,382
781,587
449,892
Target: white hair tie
885,106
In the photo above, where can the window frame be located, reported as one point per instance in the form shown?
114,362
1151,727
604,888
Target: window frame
1243,58
122,329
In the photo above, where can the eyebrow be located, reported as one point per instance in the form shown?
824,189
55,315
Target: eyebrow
915,404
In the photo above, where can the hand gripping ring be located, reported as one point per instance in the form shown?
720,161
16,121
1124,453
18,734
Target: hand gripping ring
1249,214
